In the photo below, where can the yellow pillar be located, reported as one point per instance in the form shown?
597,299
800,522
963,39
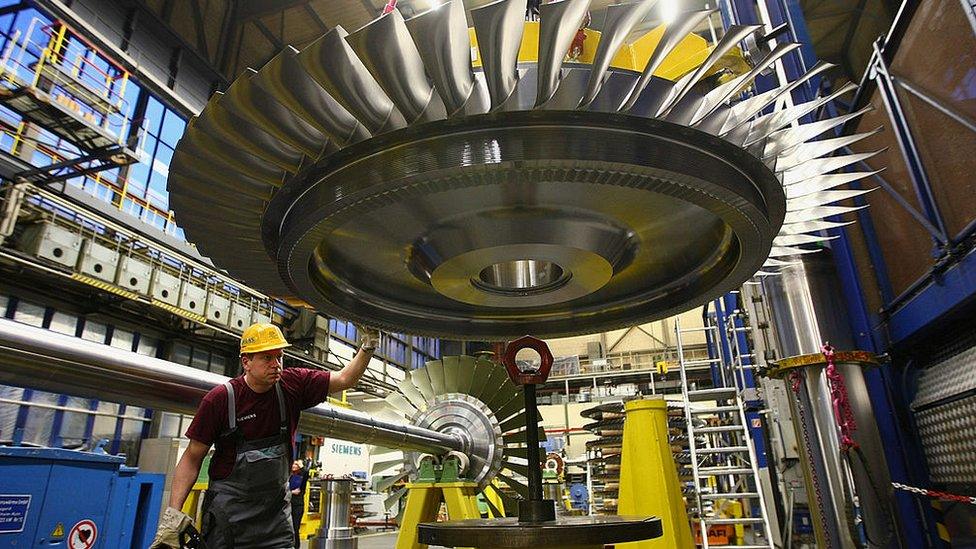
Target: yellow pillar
649,484
423,501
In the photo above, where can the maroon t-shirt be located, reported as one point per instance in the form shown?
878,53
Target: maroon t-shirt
257,414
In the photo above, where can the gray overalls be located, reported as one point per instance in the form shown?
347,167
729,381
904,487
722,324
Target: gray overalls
251,508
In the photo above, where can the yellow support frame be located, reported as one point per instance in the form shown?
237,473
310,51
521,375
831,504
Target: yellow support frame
687,55
424,501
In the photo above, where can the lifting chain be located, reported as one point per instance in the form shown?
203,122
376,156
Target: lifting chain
842,405
795,382
935,494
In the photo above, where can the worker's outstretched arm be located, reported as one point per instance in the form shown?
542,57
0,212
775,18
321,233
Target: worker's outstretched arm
186,473
349,375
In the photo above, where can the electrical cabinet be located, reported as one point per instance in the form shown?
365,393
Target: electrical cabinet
51,242
165,287
218,308
193,297
134,274
98,261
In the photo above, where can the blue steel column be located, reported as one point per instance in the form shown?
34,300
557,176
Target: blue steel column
744,12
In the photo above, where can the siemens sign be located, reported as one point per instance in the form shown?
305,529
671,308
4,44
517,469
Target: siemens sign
346,449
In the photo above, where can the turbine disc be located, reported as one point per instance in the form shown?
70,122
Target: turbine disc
418,173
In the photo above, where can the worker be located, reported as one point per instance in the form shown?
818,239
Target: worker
251,420
297,483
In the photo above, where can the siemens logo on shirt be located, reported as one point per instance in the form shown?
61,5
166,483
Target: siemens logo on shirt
247,417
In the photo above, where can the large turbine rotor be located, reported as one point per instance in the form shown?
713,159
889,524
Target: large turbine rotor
479,183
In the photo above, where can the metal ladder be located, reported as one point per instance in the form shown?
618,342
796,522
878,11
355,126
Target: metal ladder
722,453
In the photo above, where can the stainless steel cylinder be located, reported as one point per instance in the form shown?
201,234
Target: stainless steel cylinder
807,311
42,359
335,532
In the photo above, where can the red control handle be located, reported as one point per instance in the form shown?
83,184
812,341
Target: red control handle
520,377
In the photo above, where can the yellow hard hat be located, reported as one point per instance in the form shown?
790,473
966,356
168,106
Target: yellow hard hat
262,337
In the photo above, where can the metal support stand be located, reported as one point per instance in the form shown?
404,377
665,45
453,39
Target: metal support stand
537,525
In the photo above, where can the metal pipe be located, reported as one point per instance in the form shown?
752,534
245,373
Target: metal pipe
42,359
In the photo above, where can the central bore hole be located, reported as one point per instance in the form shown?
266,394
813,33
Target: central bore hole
520,274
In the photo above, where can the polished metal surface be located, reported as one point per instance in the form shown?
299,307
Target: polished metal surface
41,359
562,532
335,532
668,228
471,420
807,311
395,173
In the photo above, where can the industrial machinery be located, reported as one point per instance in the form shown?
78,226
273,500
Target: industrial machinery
851,499
65,498
473,183
335,531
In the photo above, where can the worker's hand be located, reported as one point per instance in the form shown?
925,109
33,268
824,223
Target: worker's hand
172,524
369,338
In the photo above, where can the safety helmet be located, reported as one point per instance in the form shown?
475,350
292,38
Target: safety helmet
258,338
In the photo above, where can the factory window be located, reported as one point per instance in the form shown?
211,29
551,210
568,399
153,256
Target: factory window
147,346
29,313
63,323
180,353
201,359
95,331
4,303
122,339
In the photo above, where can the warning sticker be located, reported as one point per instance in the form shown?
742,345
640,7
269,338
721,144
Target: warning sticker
58,531
82,535
13,512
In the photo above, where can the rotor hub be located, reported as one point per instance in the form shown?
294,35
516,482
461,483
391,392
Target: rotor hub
474,423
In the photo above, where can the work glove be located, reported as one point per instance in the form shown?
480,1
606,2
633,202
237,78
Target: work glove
171,525
369,338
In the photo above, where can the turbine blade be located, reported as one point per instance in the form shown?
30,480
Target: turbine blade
785,139
245,98
814,214
784,251
797,240
813,168
512,407
331,62
519,468
673,35
400,402
286,79
746,109
558,23
384,485
770,262
812,226
451,371
421,379
381,466
394,498
782,118
435,369
467,365
498,27
519,488
410,392
441,36
480,379
822,198
515,422
722,94
816,149
620,21
824,183
401,76
732,36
